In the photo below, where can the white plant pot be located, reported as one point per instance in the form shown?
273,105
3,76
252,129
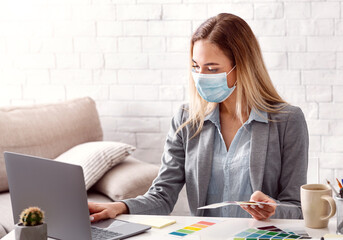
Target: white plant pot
38,232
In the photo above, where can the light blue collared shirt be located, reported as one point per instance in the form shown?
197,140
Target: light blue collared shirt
230,177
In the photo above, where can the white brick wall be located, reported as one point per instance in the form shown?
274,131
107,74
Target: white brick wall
131,56
297,10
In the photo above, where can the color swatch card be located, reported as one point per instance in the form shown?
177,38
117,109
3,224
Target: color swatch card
267,233
194,228
222,204
297,231
294,231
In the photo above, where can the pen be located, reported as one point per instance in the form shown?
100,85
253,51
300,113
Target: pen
333,189
339,184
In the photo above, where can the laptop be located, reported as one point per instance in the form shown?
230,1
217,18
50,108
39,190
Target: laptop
59,190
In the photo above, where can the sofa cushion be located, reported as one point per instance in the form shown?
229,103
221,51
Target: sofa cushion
97,197
96,158
2,231
127,180
6,219
47,130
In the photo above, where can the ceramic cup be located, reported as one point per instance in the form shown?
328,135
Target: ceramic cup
339,206
317,205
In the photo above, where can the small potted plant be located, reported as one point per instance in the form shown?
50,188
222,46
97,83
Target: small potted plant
31,225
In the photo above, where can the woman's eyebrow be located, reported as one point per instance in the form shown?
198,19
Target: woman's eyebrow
207,64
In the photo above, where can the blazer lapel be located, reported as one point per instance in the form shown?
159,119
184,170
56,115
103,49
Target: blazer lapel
259,145
204,163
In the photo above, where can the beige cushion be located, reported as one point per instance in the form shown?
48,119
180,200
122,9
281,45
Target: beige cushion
47,130
127,180
96,158
6,218
97,197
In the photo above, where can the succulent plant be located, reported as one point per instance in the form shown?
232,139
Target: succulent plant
31,216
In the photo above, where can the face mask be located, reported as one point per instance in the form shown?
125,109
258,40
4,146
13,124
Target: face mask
213,87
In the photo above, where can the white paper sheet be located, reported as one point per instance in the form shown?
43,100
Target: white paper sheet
222,204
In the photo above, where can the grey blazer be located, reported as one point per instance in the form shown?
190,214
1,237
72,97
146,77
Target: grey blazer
278,164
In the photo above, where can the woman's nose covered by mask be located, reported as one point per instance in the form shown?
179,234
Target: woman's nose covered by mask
213,87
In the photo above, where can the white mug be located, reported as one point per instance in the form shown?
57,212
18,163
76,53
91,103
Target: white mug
317,205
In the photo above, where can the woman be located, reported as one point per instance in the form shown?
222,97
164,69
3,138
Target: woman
236,140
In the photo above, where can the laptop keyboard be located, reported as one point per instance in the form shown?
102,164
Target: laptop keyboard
102,234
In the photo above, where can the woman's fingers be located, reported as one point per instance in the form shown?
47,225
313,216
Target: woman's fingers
267,208
264,209
99,216
253,213
95,217
99,211
94,207
259,213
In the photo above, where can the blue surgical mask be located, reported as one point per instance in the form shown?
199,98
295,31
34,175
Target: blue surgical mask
213,87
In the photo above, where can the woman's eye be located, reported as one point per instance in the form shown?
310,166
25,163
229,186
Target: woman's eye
195,67
211,70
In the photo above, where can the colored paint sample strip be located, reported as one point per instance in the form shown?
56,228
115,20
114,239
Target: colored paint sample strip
262,231
265,233
254,235
283,234
301,231
185,231
242,234
193,228
178,234
271,228
199,225
206,223
272,233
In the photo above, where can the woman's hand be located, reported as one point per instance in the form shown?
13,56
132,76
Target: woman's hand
99,211
262,211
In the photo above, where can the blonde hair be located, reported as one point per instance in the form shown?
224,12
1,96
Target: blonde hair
254,88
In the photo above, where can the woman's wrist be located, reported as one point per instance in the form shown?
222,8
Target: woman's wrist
123,209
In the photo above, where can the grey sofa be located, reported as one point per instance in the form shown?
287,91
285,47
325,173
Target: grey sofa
51,129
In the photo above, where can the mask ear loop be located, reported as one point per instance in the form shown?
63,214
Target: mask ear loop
230,72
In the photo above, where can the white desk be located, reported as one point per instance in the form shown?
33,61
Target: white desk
220,231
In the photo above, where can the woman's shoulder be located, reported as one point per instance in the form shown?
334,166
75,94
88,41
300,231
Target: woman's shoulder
288,112
181,114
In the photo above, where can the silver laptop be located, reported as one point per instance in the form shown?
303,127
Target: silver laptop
59,190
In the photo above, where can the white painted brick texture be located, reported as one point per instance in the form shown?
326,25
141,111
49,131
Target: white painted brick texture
139,12
131,56
300,10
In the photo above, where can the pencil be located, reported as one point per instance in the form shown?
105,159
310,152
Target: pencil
339,184
333,189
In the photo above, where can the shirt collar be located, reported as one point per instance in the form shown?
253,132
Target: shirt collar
255,115
214,116
258,115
